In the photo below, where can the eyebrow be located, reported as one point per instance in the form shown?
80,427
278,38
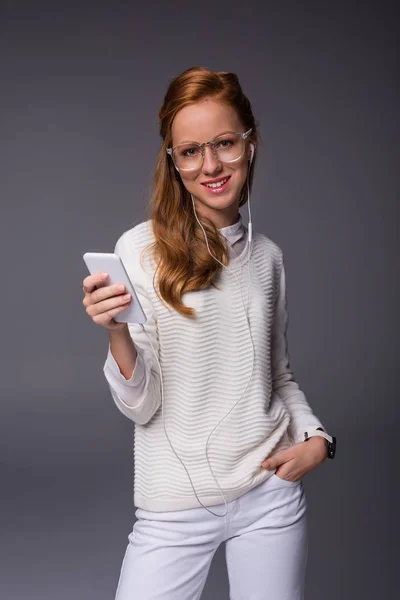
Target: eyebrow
193,141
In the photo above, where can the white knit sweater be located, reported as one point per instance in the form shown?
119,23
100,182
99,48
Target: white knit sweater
206,365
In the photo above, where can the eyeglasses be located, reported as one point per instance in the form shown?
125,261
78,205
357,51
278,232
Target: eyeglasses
228,148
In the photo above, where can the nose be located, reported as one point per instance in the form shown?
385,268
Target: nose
211,164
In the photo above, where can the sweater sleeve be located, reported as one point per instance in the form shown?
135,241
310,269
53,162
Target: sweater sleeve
283,381
139,397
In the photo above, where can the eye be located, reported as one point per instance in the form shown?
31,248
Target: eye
191,151
188,152
227,143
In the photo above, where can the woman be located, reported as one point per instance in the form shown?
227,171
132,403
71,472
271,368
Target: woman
220,423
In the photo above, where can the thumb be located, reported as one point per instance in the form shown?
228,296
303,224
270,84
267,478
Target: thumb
272,462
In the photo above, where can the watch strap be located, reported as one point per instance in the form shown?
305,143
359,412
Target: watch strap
330,440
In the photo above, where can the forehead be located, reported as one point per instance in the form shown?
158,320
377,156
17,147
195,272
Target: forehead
202,121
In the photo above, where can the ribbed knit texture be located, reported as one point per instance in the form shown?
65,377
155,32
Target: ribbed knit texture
236,235
206,365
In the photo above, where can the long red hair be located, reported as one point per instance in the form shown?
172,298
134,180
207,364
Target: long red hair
183,261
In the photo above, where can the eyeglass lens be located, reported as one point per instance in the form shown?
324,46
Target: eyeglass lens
228,147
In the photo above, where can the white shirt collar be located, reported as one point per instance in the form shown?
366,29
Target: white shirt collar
234,232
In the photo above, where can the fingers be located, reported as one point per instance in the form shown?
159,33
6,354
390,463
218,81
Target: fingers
272,462
90,282
94,294
104,302
106,305
95,297
104,318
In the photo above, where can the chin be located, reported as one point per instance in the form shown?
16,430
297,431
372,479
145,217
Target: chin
216,203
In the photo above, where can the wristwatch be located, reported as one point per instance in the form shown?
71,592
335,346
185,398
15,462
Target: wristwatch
330,440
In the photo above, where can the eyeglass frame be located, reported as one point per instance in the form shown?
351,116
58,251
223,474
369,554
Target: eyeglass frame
212,144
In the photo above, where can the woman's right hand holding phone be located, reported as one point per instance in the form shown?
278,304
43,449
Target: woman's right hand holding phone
105,302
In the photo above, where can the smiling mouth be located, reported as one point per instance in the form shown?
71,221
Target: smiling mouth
217,184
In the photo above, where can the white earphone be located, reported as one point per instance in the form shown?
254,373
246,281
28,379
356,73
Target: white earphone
251,152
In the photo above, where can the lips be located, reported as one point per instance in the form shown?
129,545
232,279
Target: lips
217,189
215,180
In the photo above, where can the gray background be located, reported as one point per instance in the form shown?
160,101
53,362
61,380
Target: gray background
80,89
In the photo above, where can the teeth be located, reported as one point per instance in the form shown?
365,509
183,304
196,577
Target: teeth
217,185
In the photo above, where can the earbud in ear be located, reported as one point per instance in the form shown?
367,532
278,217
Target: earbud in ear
251,152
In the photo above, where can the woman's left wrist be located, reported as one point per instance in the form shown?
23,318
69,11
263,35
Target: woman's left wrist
320,443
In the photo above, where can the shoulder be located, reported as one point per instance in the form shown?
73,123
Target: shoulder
138,236
269,246
131,246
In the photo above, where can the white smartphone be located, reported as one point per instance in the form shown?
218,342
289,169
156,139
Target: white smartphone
111,263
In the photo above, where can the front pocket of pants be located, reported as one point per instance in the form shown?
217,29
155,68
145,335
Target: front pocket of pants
285,481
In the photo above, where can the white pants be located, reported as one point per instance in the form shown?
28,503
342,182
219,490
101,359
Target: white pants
265,533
